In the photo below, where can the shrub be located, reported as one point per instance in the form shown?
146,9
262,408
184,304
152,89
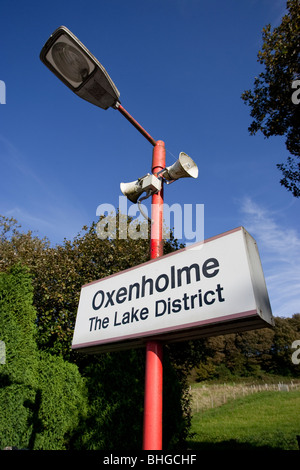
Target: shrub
41,396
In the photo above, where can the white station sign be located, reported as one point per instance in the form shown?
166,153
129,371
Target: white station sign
209,288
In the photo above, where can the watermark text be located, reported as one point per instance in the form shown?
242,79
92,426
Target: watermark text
2,92
184,222
296,94
2,352
296,354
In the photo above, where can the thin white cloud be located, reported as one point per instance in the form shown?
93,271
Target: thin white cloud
48,209
10,156
54,223
279,249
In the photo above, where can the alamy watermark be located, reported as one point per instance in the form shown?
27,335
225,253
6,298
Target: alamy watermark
2,92
2,352
185,222
296,354
296,94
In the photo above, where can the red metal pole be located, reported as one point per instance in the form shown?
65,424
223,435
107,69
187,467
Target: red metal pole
153,402
135,123
156,242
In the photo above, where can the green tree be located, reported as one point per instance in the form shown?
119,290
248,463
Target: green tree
273,110
285,333
18,376
42,397
256,348
251,353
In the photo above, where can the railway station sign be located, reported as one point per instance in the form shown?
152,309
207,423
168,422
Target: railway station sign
213,287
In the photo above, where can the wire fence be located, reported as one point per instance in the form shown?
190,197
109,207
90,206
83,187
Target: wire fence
205,397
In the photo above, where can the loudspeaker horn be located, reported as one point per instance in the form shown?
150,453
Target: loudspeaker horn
184,167
132,190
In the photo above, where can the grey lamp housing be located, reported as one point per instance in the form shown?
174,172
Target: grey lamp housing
77,68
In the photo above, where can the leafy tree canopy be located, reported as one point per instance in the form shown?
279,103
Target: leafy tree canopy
274,100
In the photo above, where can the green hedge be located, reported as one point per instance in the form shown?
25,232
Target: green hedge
42,397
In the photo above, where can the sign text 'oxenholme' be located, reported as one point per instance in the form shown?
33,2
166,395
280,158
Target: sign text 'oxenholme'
213,287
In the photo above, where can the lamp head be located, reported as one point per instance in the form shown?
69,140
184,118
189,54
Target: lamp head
77,68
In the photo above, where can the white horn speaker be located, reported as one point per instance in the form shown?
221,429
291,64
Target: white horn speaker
184,167
132,190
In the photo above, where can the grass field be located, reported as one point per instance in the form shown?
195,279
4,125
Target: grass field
261,421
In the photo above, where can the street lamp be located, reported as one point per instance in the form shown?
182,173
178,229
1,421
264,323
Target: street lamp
77,68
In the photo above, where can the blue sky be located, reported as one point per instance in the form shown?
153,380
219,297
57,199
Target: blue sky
180,66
